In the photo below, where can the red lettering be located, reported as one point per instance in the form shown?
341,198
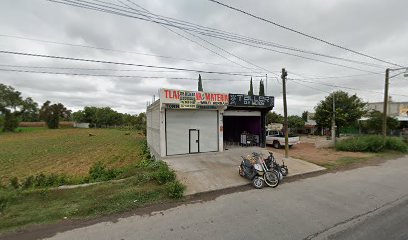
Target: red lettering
208,97
176,94
213,97
167,92
198,96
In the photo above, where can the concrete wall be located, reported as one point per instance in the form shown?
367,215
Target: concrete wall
153,128
81,125
394,108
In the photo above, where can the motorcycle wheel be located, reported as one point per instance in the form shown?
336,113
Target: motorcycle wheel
271,179
284,171
258,182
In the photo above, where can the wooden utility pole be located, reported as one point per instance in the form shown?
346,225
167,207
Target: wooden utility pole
385,111
333,127
285,112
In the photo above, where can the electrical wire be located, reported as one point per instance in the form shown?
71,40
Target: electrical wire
119,76
72,3
109,49
119,63
342,87
191,40
107,69
303,34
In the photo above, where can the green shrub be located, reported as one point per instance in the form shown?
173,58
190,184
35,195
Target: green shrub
40,180
371,144
28,182
3,203
14,183
175,189
163,174
98,172
374,143
352,145
396,144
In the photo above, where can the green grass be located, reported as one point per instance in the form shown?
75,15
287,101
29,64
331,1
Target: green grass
344,161
48,155
45,206
69,152
349,161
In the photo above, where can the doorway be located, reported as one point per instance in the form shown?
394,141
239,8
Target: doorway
194,135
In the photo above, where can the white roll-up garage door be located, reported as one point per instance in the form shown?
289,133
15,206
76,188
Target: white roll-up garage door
178,126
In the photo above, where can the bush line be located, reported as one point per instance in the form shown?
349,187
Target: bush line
372,144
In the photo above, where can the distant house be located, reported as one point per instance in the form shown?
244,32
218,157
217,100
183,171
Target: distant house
310,124
394,109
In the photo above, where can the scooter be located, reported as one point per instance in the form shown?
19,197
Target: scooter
258,173
271,163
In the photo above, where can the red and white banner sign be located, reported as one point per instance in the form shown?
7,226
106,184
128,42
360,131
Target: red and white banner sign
190,99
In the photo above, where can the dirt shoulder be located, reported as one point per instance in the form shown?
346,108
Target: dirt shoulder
319,156
335,160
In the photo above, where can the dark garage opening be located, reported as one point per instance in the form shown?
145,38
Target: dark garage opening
235,126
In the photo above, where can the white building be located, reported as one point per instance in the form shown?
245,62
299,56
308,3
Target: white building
186,122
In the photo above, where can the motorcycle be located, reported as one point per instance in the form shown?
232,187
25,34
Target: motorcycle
271,163
258,172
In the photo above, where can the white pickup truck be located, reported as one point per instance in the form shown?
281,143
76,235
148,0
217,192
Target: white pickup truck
277,139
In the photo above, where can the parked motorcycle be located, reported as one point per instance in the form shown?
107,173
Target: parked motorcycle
271,163
258,172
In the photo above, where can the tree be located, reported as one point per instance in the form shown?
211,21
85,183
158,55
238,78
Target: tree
200,83
12,106
348,110
51,114
31,113
375,121
304,115
251,89
261,88
272,117
295,122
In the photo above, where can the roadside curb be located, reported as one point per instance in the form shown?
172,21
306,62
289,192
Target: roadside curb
248,186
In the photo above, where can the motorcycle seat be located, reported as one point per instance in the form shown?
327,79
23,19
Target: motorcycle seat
247,163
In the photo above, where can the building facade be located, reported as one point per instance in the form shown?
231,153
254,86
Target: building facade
394,109
188,122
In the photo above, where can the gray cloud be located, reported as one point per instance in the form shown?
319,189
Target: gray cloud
360,25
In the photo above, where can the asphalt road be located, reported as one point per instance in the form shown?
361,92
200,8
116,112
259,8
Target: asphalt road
389,223
364,203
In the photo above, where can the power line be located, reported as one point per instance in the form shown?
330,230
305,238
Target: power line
303,34
108,69
191,40
119,76
107,49
298,82
119,63
81,5
343,87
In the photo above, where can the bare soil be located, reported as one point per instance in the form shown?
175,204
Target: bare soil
320,156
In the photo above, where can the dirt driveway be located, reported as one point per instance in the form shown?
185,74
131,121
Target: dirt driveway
320,156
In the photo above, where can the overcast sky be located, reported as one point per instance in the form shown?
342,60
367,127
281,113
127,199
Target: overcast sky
375,27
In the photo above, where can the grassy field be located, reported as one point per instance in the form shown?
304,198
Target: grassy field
69,152
40,206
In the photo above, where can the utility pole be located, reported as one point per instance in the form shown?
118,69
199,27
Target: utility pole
266,84
333,127
285,112
387,80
